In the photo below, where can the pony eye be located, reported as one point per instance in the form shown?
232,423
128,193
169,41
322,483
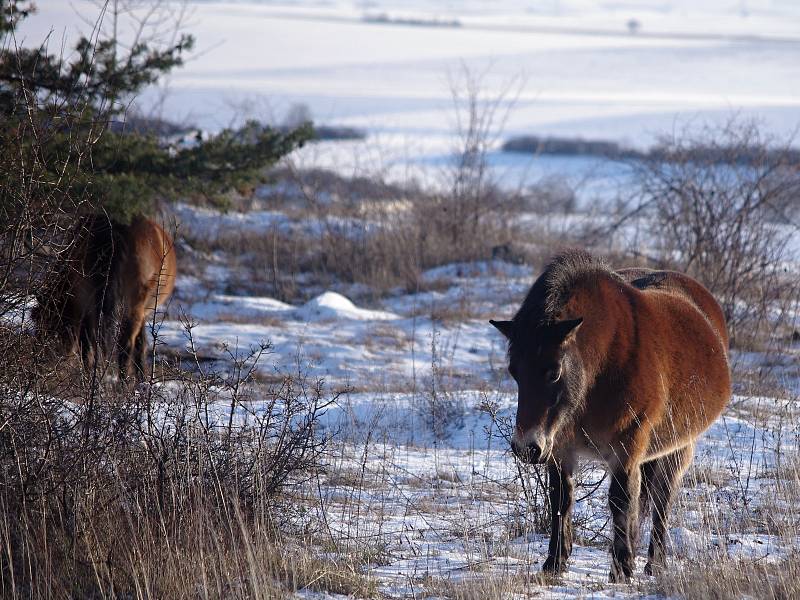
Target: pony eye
553,374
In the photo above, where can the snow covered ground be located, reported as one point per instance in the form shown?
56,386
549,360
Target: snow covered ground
420,480
344,343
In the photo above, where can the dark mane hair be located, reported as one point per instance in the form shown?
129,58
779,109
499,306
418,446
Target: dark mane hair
552,289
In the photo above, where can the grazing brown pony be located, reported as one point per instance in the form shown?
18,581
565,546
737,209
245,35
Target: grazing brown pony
113,277
628,367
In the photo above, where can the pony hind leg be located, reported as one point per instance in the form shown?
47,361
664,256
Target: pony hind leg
130,349
646,476
664,476
88,347
140,355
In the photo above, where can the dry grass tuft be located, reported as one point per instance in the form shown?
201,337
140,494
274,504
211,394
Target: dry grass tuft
717,579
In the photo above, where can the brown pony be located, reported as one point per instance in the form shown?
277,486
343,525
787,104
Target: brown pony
628,367
112,279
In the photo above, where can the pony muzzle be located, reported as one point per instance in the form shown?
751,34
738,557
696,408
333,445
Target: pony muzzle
530,447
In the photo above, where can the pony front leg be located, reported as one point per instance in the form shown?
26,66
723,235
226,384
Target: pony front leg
561,502
623,499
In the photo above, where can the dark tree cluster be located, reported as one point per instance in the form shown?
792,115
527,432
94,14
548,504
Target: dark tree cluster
57,140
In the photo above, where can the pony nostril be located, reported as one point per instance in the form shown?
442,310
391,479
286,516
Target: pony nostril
531,453
534,452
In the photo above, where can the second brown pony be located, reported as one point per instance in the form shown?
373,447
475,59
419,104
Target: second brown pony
628,367
108,283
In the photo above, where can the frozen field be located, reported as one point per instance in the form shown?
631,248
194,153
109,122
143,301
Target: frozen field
419,484
420,480
419,489
570,68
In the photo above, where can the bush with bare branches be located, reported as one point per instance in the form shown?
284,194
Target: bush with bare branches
77,459
722,209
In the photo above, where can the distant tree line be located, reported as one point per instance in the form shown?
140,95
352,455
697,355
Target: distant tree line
706,153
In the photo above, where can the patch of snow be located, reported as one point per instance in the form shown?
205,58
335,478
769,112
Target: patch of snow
16,313
685,543
221,305
332,306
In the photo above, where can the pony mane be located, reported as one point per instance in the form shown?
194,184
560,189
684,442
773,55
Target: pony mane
551,291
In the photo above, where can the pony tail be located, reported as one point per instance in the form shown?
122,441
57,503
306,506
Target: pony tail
108,248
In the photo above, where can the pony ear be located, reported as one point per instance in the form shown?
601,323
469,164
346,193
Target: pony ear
564,331
504,327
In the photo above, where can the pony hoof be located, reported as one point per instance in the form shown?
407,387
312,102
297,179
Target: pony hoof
652,568
618,577
619,574
554,565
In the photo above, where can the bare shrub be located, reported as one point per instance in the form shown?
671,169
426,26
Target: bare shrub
721,209
98,483
384,244
37,205
386,235
550,195
532,510
441,408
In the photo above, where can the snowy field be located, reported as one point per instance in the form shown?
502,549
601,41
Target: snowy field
420,481
568,67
